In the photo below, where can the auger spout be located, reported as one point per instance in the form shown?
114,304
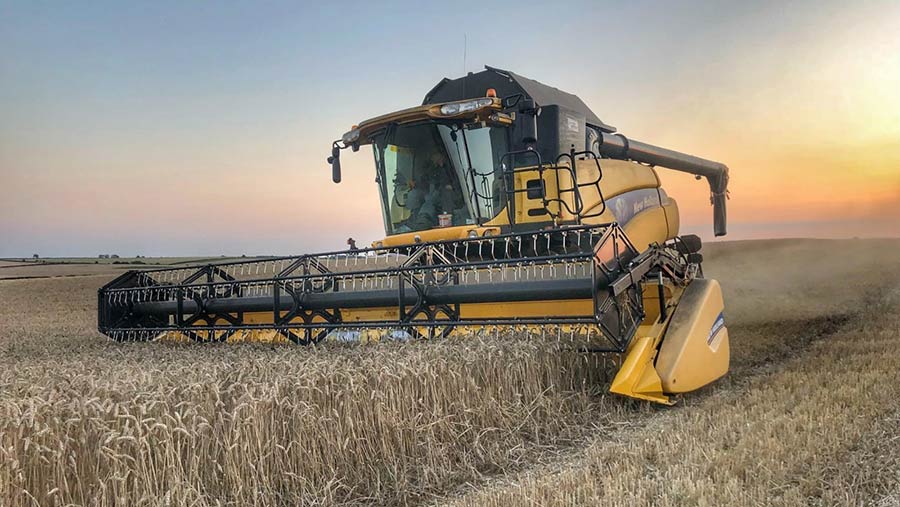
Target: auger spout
620,147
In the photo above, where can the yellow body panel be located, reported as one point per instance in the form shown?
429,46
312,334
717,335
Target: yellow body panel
653,225
673,218
524,309
531,209
695,351
440,234
636,377
646,228
619,177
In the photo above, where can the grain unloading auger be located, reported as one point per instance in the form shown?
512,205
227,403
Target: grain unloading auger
515,210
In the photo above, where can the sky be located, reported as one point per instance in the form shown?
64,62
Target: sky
202,128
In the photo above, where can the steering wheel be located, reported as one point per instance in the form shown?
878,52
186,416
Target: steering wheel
397,191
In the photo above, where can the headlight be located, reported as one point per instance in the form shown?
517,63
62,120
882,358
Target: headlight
350,137
464,107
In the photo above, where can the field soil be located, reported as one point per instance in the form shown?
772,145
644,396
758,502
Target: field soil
808,415
16,269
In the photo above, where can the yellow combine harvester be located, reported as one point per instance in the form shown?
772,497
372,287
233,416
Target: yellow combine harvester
507,204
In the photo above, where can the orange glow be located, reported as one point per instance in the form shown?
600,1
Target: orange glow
98,150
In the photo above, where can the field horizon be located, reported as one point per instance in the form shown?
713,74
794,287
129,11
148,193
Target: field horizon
218,257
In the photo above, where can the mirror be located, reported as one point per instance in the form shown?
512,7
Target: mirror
335,161
528,122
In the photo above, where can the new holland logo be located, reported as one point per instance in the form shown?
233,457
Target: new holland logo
716,327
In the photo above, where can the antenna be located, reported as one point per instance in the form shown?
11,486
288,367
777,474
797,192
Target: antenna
465,75
465,50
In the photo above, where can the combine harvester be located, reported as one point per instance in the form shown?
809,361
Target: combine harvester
518,209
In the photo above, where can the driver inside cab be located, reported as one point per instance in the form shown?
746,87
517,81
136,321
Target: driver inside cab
433,191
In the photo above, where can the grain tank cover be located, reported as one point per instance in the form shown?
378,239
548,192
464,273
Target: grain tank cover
507,83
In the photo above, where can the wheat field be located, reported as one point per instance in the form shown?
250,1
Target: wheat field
809,414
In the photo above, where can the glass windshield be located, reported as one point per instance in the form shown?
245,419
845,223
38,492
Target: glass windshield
485,146
435,175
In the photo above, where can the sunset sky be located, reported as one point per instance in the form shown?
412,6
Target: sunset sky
201,128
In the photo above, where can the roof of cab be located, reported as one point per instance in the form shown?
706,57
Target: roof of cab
507,83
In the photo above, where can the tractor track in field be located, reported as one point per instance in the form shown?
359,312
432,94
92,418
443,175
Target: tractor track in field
749,369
